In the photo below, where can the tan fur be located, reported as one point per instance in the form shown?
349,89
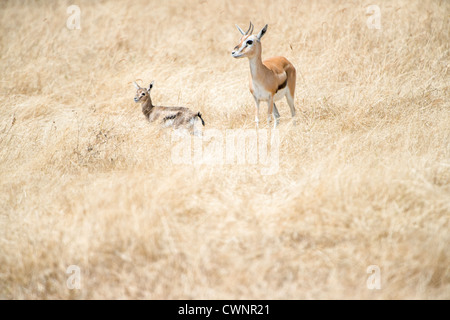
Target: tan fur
272,73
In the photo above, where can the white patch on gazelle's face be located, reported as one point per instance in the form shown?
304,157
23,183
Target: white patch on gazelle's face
245,48
142,94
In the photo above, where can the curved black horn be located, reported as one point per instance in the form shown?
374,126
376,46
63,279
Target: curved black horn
250,28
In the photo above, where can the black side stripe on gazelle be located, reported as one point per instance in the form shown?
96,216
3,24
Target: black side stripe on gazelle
173,116
282,86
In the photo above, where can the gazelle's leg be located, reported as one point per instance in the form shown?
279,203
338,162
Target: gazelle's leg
256,112
276,113
270,112
290,101
196,132
193,126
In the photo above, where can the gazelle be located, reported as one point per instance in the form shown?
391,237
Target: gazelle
177,117
271,79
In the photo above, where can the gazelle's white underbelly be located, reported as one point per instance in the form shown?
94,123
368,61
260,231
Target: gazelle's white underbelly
261,94
280,94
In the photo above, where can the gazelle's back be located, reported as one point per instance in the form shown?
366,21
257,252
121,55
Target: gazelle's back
277,64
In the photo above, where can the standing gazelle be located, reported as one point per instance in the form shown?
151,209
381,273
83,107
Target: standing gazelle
271,79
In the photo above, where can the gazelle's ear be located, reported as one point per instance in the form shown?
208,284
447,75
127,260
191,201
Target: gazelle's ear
150,86
136,85
262,32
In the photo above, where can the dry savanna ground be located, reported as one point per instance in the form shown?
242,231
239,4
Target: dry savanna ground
363,179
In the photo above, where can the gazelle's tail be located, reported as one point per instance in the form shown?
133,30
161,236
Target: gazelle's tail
200,116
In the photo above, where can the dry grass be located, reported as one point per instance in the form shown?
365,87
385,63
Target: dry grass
364,177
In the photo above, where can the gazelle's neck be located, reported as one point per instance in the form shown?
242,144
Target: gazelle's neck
147,107
257,68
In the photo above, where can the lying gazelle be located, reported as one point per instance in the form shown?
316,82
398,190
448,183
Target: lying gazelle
271,79
177,117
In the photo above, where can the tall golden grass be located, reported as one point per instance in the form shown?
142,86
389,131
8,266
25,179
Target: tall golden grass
364,176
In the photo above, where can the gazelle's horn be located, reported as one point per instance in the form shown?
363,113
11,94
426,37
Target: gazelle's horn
240,30
250,29
136,85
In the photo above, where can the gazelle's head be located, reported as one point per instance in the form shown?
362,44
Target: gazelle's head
142,94
249,44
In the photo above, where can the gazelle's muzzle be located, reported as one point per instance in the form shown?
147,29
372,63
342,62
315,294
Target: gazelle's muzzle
237,52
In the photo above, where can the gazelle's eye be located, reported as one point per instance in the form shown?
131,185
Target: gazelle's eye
249,42
142,94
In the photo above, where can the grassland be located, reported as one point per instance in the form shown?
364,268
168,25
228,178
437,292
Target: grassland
363,179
